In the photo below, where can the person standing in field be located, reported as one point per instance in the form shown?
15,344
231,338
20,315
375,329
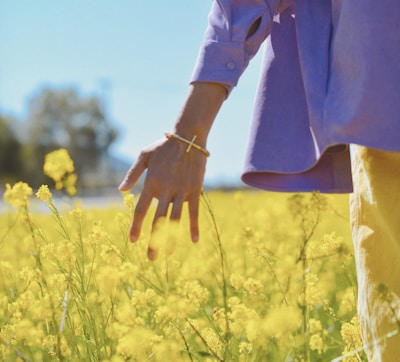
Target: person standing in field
326,117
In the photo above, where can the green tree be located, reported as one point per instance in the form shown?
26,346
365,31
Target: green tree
64,118
10,151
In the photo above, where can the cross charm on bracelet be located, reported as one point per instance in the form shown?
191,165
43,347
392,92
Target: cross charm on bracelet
191,144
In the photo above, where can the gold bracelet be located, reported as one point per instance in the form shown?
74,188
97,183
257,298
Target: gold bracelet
190,143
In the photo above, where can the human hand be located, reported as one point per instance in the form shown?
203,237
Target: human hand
174,176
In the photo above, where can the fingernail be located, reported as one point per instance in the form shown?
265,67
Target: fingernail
151,254
195,238
133,238
122,185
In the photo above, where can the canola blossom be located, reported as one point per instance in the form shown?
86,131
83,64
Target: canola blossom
18,194
44,193
59,166
272,279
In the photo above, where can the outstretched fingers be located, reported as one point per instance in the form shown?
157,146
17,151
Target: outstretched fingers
133,174
162,210
177,206
138,217
193,205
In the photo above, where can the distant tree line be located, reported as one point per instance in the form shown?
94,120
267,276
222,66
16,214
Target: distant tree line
55,118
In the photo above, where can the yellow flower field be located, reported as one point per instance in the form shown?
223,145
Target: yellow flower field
272,279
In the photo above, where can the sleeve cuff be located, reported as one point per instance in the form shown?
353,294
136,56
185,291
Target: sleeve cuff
219,63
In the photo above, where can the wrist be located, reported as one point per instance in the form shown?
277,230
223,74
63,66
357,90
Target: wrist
191,129
199,111
190,143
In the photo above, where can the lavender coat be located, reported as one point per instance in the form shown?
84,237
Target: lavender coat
330,77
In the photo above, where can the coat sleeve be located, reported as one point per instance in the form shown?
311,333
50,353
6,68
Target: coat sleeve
235,31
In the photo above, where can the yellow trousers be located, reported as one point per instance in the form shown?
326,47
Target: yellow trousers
375,222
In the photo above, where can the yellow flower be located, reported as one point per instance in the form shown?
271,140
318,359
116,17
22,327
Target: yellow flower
280,322
110,254
193,292
44,193
313,290
98,235
351,333
108,281
253,286
317,336
70,184
348,302
57,164
17,195
245,348
128,272
129,201
315,325
47,251
76,213
213,342
138,343
168,350
352,357
239,318
49,344
66,253
236,281
317,343
7,333
26,333
65,351
162,315
28,274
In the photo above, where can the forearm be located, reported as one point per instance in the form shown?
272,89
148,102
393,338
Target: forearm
199,111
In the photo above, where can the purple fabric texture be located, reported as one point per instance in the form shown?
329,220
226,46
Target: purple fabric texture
330,78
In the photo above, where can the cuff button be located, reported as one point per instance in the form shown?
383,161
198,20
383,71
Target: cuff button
231,65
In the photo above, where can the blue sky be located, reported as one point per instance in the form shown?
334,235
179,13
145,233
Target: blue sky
137,54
